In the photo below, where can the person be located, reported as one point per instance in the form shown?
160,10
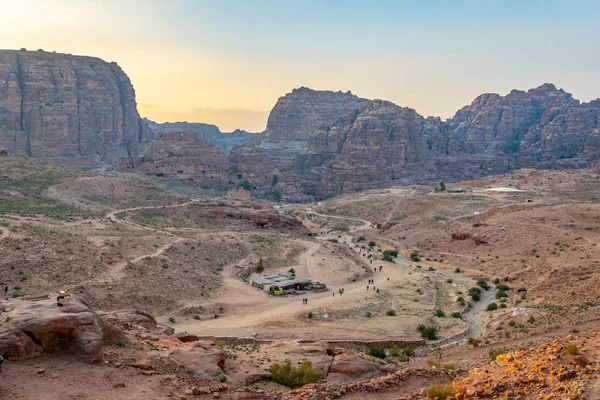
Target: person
6,290
388,279
377,290
3,358
367,287
333,294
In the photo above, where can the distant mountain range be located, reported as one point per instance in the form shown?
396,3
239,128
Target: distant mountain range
81,110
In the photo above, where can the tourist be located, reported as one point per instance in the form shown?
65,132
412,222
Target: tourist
367,287
377,290
6,290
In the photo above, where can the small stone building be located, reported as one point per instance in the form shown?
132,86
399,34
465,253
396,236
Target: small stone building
239,194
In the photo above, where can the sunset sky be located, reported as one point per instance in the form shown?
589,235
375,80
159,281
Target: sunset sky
227,62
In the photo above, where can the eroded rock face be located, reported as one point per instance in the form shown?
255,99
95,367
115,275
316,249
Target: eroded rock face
202,358
78,110
182,156
295,116
30,328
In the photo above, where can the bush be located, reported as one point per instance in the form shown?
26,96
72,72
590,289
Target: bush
375,352
223,378
483,284
309,315
171,320
428,332
473,342
292,377
493,353
372,244
531,320
496,281
461,301
475,293
456,315
409,351
395,351
402,358
439,313
501,294
457,270
388,255
572,349
441,392
390,313
449,367
414,256
361,239
368,314
492,307
433,363
502,288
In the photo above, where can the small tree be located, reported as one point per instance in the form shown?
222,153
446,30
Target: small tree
260,268
442,186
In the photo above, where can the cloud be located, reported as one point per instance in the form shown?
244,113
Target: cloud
226,118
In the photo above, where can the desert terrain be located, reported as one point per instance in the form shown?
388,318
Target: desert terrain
166,276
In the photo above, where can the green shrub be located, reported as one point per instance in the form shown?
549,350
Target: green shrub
391,253
309,315
449,281
368,314
361,239
293,377
449,367
473,342
461,301
483,284
503,288
223,378
492,307
414,256
375,352
456,315
409,351
433,363
493,353
395,351
531,320
372,244
439,313
428,332
475,293
501,294
171,320
390,313
457,270
496,281
441,392
402,358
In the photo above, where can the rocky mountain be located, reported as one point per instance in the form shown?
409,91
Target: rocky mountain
72,109
206,132
184,157
295,116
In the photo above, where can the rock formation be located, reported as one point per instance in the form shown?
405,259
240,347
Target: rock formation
206,132
182,156
72,109
29,328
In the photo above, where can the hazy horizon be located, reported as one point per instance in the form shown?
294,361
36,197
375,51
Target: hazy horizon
227,62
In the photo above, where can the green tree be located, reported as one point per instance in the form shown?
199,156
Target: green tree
260,268
442,186
276,193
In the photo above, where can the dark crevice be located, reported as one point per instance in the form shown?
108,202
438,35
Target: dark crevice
34,339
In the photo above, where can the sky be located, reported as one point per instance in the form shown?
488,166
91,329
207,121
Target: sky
226,62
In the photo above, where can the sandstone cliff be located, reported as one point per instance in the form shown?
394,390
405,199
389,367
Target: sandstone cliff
295,116
73,109
206,132
182,156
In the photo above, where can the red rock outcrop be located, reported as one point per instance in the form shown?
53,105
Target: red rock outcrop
29,328
72,109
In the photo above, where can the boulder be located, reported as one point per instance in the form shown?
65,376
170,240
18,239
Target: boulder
350,367
31,327
202,358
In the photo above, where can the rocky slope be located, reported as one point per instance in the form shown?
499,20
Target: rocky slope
206,132
79,110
